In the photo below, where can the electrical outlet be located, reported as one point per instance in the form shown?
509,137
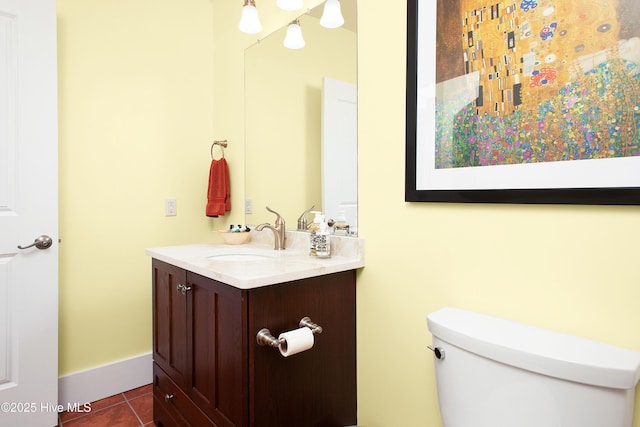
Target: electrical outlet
248,206
170,207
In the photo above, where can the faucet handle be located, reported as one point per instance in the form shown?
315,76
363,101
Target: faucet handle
302,220
279,219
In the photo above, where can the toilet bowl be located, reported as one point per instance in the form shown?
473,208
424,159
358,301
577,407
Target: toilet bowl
499,373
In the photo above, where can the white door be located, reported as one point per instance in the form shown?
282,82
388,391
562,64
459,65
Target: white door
340,150
28,209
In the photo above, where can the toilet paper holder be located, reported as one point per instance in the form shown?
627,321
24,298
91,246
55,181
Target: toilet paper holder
264,337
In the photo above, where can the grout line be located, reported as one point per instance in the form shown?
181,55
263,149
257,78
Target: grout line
124,397
133,410
84,414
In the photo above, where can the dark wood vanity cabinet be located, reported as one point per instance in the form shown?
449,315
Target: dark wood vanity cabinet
210,371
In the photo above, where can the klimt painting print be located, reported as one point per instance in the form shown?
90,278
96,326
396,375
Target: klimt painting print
534,101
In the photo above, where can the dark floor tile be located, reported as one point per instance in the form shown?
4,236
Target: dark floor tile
95,406
143,407
106,402
137,392
119,415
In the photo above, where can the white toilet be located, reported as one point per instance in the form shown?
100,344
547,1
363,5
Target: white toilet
499,373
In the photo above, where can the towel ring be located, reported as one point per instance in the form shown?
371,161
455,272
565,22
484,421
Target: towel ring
223,144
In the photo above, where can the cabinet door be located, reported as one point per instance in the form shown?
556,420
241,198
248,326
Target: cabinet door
316,387
218,378
170,320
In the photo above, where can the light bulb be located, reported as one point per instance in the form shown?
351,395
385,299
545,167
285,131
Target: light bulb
293,39
289,4
332,15
250,22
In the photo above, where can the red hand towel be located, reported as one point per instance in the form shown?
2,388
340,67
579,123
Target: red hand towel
218,197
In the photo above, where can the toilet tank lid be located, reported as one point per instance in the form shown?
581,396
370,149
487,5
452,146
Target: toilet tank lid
536,349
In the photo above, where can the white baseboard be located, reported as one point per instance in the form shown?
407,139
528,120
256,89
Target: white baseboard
103,381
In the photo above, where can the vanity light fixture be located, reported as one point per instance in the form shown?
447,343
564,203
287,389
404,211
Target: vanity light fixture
289,4
332,15
293,39
250,22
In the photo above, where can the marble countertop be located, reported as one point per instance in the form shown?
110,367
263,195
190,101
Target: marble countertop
257,264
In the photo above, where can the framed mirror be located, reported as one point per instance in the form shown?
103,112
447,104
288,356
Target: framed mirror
294,157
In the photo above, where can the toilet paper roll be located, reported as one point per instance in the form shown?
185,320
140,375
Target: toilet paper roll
295,341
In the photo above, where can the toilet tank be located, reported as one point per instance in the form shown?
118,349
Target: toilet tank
501,373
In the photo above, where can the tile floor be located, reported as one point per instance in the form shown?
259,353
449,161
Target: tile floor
133,408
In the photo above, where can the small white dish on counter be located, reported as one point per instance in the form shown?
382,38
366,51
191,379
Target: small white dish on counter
235,237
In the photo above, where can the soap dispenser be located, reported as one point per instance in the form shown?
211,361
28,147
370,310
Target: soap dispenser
323,240
313,230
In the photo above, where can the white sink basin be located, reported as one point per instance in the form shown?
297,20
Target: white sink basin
246,253
239,257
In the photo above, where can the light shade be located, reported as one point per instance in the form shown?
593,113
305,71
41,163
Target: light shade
332,15
250,22
289,4
293,39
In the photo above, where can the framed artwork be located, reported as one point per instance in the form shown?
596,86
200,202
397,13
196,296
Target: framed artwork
528,101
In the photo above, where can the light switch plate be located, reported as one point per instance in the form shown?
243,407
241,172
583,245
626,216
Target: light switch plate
170,207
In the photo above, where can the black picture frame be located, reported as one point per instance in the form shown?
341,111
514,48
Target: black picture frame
610,195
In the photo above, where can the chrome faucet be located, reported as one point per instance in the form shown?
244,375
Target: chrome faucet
278,230
302,221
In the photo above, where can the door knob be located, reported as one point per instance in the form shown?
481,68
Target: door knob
41,242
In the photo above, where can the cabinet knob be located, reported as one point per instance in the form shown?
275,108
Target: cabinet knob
168,397
183,289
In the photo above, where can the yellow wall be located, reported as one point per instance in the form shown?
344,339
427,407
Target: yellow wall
570,268
137,99
144,88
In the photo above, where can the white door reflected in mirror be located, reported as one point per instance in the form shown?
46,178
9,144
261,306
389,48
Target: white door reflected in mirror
340,151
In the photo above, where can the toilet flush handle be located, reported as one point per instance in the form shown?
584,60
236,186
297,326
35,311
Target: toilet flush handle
437,351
